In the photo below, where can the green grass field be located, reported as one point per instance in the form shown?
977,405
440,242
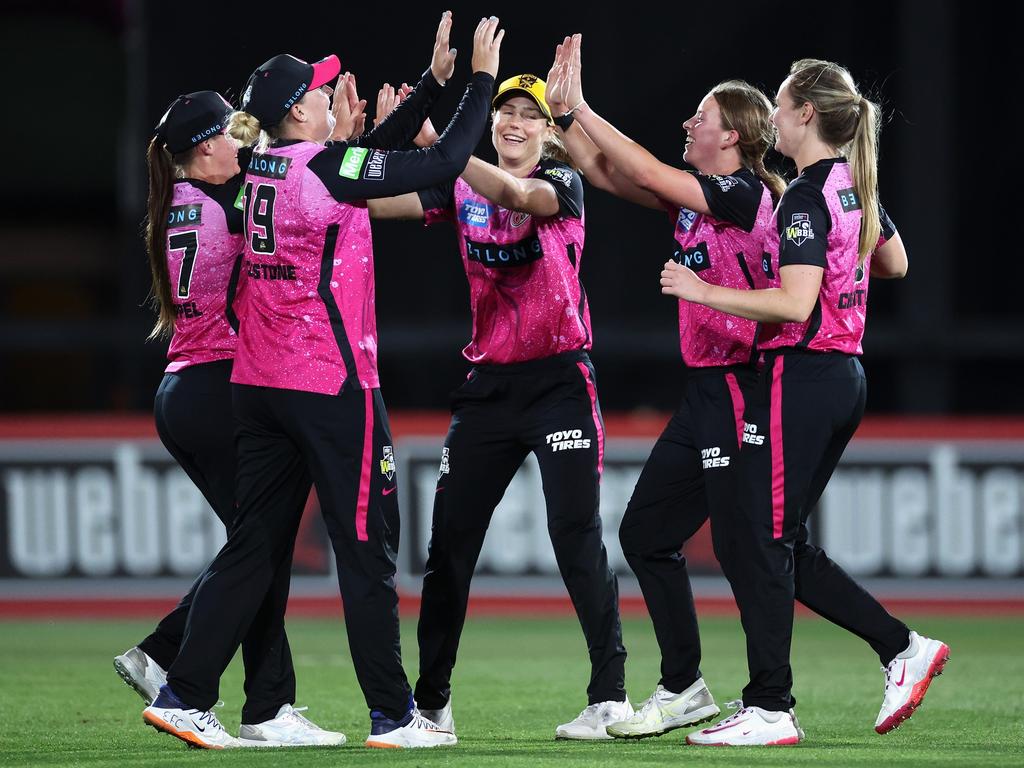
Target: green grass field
63,705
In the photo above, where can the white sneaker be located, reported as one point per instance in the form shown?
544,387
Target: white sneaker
665,711
593,722
907,678
417,732
141,673
750,726
194,727
442,717
288,729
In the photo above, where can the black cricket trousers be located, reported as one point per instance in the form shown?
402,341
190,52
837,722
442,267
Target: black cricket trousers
285,438
501,414
809,406
194,422
686,479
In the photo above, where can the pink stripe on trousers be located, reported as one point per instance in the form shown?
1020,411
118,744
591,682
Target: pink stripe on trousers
737,406
592,393
364,477
778,463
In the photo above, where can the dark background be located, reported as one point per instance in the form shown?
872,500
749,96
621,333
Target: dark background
84,83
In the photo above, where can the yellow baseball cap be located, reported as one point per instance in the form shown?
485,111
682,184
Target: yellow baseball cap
527,85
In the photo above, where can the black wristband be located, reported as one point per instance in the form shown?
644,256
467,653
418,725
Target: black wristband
564,121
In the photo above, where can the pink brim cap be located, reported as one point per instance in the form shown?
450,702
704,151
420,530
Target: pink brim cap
325,71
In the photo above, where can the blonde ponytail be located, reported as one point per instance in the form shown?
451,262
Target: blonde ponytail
850,123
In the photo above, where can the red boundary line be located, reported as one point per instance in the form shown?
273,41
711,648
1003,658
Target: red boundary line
492,605
427,423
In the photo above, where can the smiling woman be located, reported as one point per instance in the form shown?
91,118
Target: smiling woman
720,216
532,385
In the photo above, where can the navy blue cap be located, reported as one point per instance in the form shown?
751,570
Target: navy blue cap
282,81
192,118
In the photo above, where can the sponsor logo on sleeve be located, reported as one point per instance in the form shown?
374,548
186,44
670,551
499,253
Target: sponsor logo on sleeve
848,199
374,170
563,175
240,198
686,219
725,183
269,166
799,230
475,213
352,162
182,215
696,258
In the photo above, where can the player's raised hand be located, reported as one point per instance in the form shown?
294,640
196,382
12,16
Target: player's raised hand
442,64
347,109
487,45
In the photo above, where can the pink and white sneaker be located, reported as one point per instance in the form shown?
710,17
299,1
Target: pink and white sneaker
907,678
750,726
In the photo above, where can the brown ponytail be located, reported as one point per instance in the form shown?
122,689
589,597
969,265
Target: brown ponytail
746,110
849,123
163,170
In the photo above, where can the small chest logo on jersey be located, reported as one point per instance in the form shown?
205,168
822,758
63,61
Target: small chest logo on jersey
686,219
563,175
352,162
269,166
374,170
180,215
518,218
848,199
505,255
567,440
712,457
387,464
697,258
799,231
750,435
475,213
445,468
766,266
725,183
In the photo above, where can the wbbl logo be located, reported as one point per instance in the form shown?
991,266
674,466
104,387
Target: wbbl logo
799,231
387,464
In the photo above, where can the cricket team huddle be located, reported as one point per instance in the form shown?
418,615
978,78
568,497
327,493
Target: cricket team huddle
259,241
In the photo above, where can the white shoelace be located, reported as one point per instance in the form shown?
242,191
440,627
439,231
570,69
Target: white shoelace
419,721
294,714
651,703
736,704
